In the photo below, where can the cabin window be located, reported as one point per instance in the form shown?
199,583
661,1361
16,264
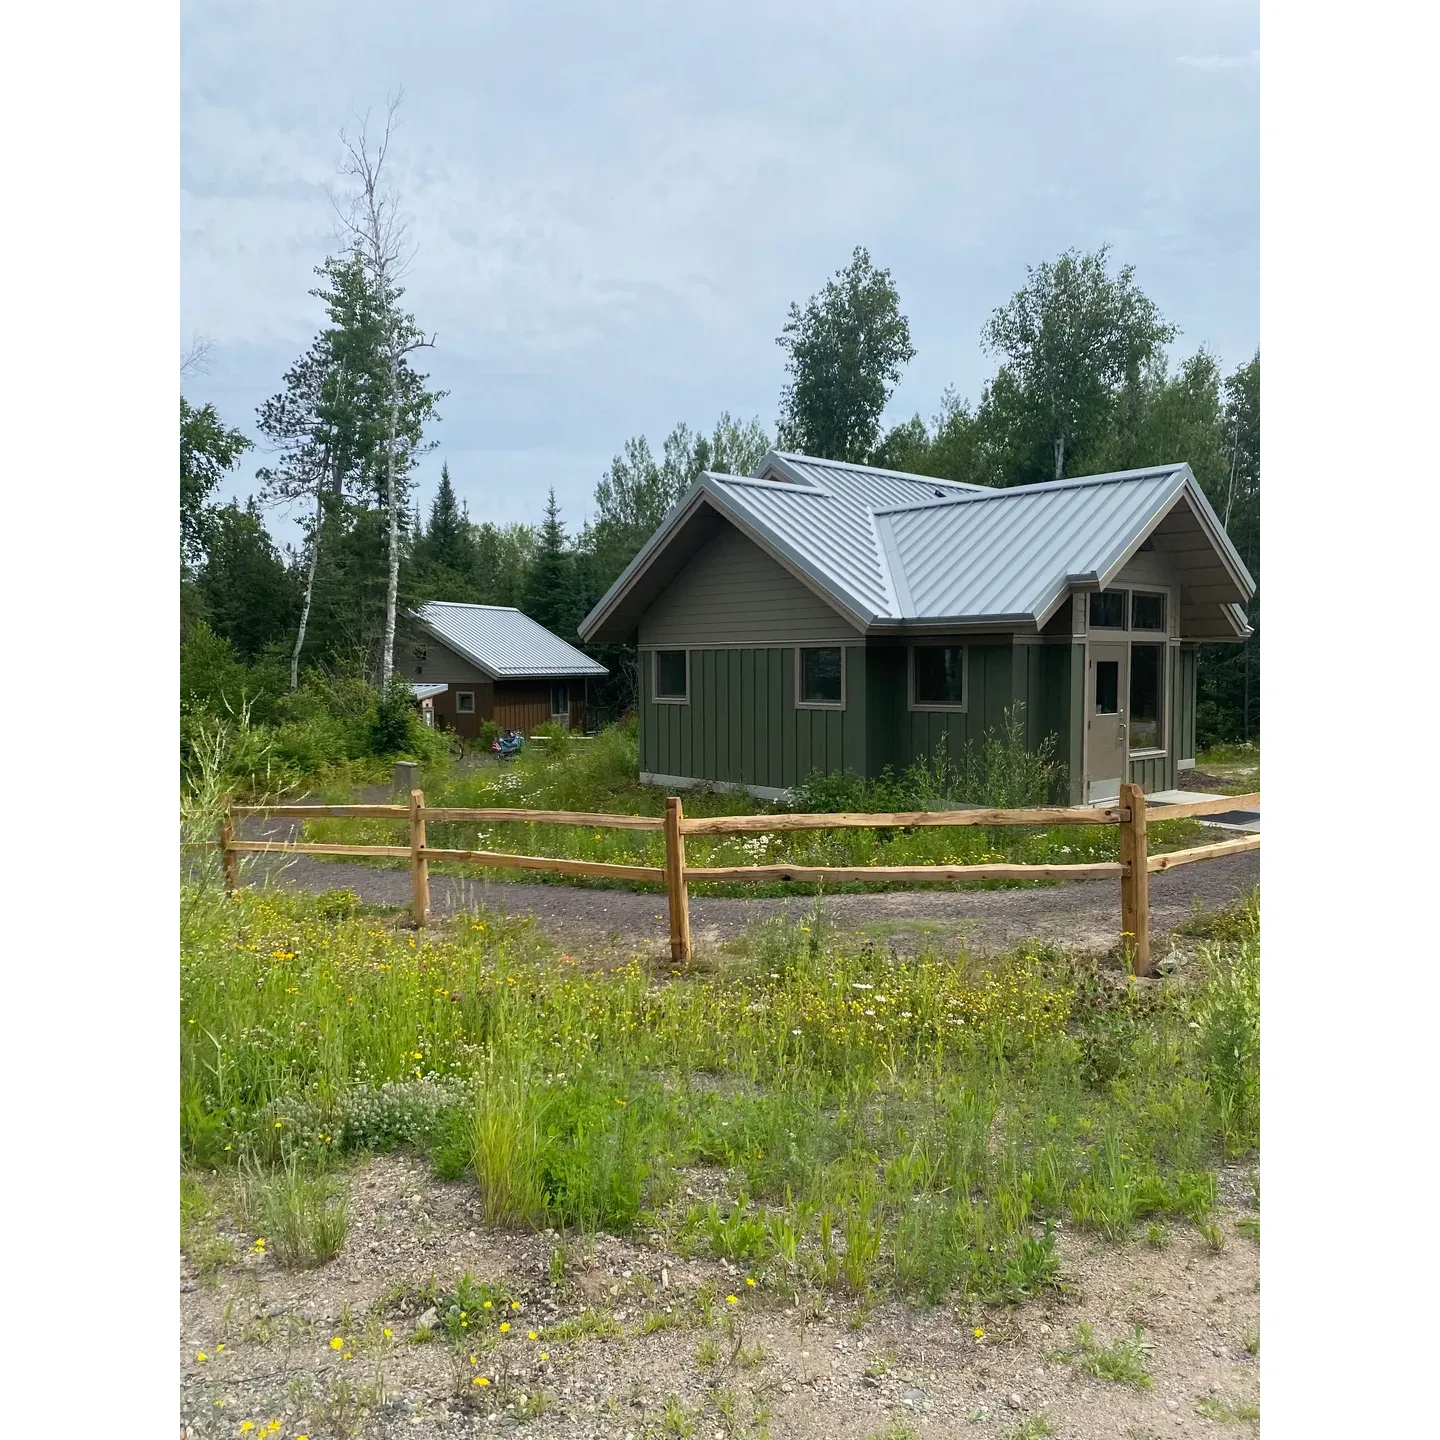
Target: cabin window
672,675
1147,612
559,698
822,676
1107,687
939,676
1107,609
1147,683
465,702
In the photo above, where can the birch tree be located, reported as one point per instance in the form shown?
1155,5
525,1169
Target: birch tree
326,424
375,228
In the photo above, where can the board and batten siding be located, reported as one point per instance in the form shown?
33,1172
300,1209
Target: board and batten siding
899,735
732,593
741,725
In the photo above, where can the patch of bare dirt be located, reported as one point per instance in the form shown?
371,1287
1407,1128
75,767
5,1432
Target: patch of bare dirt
268,1337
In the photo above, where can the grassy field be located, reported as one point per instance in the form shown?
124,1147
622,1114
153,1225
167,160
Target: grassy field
1235,765
599,775
916,1126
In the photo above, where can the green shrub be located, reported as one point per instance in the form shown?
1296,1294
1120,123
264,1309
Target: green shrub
396,721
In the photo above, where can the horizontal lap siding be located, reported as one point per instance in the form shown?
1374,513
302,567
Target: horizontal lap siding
732,593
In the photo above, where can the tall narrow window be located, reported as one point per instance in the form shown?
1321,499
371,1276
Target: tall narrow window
1147,674
822,676
1107,687
940,675
1107,609
559,698
672,675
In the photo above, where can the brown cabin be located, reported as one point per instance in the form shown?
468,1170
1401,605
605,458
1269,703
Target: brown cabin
471,663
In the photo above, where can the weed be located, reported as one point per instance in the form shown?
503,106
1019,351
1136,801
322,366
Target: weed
707,1354
588,1325
1251,1341
676,1419
895,1430
1032,1427
1212,1233
1123,1361
1248,1226
1210,1408
303,1217
1157,1235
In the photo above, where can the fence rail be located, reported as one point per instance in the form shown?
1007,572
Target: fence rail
1133,869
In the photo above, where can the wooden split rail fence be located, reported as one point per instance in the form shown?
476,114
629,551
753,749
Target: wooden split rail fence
1133,869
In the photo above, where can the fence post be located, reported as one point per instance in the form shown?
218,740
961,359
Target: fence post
676,890
419,867
1135,881
227,850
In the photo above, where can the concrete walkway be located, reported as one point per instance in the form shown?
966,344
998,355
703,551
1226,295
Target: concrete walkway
1242,820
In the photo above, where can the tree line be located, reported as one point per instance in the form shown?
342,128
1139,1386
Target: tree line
1083,383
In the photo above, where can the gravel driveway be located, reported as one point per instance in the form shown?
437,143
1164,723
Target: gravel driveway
1082,914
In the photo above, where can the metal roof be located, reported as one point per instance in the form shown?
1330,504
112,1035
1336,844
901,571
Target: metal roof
889,548
502,641
427,689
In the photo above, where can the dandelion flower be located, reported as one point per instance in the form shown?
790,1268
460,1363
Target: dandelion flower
480,1380
514,1304
246,1425
504,1327
750,1281
532,1336
487,1304
978,1333
388,1335
732,1300
201,1356
337,1343
544,1355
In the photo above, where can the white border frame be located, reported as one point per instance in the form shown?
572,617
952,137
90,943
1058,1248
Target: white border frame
926,706
655,694
844,680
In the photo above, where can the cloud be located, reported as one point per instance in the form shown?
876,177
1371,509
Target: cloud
1221,62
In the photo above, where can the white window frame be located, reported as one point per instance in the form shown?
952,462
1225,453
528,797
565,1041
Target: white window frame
964,705
460,697
844,680
655,694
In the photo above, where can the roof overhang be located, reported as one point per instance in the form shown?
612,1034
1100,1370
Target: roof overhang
493,672
694,520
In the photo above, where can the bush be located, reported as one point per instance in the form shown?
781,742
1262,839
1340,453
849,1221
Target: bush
393,730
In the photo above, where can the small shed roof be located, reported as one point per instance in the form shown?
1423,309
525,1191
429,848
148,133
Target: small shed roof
503,642
889,549
427,690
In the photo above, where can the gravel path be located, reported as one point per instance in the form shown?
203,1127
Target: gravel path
1082,914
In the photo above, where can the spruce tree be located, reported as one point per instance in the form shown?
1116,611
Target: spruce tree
550,597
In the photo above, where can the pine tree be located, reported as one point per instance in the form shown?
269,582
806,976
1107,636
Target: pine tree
446,538
550,597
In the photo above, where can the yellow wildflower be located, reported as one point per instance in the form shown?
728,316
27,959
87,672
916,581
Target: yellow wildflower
504,1327
732,1300
480,1380
337,1343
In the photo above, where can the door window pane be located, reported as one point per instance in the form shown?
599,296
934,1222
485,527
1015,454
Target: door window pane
1107,609
1146,683
820,676
1147,612
1107,687
939,674
559,698
671,675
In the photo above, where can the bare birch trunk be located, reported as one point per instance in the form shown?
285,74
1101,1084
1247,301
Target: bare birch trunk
1059,457
392,586
309,594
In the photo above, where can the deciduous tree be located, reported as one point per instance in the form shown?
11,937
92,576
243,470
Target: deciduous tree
846,350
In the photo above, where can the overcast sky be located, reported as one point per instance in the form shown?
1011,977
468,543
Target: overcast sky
613,206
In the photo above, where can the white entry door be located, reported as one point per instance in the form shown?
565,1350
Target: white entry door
1107,691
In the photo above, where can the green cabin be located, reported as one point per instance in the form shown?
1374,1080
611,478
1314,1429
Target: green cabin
821,615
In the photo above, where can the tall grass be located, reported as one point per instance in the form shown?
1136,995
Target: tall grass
600,775
884,1122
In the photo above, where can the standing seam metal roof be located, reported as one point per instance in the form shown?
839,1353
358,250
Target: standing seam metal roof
504,642
892,547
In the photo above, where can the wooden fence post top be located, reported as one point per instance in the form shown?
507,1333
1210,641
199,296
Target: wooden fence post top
677,893
1135,882
419,865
